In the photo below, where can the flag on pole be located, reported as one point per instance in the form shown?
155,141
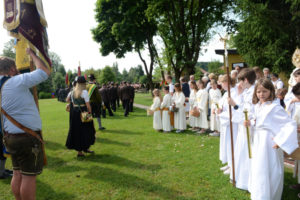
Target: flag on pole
25,20
79,71
67,79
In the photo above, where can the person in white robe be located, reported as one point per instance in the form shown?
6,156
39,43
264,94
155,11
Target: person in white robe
274,132
192,100
243,103
296,79
214,98
225,134
179,116
165,105
155,107
202,105
294,110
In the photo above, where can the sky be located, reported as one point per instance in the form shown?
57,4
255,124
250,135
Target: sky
69,32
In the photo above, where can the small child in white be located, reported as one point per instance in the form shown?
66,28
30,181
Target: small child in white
192,101
167,101
201,104
155,107
214,98
274,129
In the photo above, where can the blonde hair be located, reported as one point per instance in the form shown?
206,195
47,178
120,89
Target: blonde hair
156,93
212,76
78,89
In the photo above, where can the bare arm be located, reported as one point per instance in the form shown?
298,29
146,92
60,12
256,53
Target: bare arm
38,62
89,108
68,99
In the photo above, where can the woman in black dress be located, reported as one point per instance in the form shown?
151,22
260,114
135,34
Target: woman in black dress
81,135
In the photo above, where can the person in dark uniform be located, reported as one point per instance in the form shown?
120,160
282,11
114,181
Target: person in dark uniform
105,98
113,96
125,95
118,94
95,100
131,91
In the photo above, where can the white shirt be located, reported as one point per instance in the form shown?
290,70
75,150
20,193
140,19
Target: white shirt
278,84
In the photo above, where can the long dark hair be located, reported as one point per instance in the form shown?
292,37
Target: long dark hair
266,83
178,86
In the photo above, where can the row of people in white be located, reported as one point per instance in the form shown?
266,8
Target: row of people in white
270,127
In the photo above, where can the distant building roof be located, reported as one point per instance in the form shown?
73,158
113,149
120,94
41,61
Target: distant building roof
230,51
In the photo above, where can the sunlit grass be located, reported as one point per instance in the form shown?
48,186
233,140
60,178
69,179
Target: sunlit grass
131,161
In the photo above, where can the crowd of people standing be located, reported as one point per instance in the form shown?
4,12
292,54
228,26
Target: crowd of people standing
261,127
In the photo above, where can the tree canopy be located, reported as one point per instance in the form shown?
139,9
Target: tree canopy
268,32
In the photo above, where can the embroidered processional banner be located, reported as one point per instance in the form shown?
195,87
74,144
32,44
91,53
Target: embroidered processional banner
25,20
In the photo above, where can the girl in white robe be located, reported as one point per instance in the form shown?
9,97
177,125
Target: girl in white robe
202,105
179,116
225,134
214,98
155,107
192,101
274,129
165,105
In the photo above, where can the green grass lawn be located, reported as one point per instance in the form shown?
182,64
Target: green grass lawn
131,161
143,98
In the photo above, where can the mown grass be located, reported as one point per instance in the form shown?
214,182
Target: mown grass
131,161
143,99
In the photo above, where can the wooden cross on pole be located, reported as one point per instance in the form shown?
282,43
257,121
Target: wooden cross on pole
224,40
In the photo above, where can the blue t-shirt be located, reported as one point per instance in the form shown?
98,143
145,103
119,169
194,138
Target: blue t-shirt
19,103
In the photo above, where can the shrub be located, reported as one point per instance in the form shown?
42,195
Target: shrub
45,95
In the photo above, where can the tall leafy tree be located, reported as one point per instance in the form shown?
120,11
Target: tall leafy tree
184,27
56,63
116,71
268,33
58,81
9,49
107,75
123,27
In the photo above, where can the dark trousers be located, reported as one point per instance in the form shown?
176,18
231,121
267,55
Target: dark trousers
131,106
107,105
113,105
118,102
126,107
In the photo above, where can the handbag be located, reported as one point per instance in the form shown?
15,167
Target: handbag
174,109
86,117
195,112
68,107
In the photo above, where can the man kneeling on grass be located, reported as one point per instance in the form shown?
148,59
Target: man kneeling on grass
18,102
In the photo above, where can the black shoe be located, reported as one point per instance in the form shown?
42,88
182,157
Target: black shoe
89,151
101,128
5,175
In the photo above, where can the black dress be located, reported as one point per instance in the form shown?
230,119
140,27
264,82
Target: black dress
81,135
